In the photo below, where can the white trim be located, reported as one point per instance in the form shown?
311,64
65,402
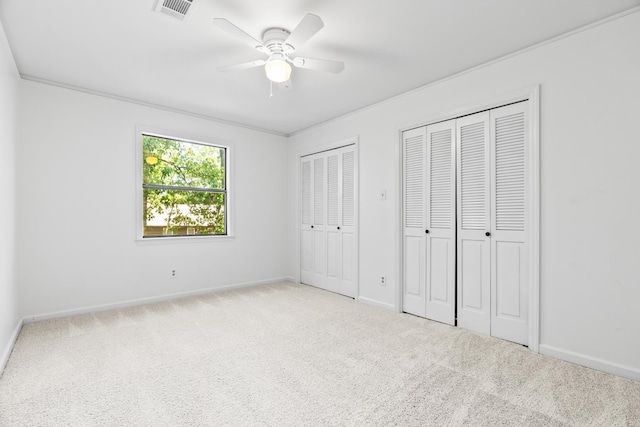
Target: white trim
12,60
591,362
40,80
149,300
197,139
4,359
326,147
376,303
473,69
534,219
399,220
532,94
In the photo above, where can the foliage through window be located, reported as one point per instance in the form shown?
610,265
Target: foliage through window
184,188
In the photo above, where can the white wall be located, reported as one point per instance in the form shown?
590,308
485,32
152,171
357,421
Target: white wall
590,203
77,217
8,291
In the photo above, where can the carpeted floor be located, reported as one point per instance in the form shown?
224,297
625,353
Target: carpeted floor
290,354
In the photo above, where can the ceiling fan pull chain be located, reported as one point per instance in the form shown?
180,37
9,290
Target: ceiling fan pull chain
271,89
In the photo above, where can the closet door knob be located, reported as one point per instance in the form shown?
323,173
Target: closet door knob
312,226
426,231
487,234
338,228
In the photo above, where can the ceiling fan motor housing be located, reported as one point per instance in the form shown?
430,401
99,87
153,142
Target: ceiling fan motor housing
273,39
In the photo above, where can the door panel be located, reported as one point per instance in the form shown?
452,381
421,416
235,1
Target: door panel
348,208
441,220
333,254
319,215
509,245
306,258
474,262
306,214
414,261
473,289
439,272
414,213
333,233
348,284
509,268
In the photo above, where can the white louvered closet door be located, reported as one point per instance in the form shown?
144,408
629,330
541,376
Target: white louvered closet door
474,222
318,228
306,214
349,213
328,240
414,213
333,222
440,237
509,219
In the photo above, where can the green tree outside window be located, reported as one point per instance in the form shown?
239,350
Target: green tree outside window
184,188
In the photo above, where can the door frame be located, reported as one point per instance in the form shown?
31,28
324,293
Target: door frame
531,94
354,140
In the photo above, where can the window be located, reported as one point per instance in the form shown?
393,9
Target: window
184,188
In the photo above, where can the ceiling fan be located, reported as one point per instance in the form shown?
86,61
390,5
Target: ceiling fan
279,45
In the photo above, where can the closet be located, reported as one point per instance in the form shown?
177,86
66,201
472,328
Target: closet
328,239
465,242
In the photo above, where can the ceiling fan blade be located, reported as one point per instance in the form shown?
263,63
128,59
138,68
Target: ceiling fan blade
306,29
243,66
233,30
319,64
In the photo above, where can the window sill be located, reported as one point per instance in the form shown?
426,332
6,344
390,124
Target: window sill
182,239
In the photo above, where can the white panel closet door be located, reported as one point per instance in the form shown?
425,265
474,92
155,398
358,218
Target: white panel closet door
474,263
306,213
441,219
328,240
319,222
414,241
509,219
348,208
333,246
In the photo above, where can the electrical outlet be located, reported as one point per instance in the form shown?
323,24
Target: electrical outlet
382,280
173,274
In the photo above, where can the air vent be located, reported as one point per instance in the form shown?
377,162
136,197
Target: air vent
178,9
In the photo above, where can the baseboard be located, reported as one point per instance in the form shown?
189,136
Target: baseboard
591,362
376,303
149,300
9,348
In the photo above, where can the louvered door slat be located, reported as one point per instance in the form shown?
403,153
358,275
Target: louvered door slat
332,190
441,186
473,176
318,191
509,172
414,176
306,192
348,188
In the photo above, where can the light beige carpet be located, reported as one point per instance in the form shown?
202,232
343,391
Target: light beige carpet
290,354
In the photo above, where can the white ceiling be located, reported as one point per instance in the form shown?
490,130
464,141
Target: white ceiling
123,48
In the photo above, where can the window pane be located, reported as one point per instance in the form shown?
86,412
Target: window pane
184,164
183,213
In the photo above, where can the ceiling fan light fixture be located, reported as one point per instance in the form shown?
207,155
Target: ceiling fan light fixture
278,70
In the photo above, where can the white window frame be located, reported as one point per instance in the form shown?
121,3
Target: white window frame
190,138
